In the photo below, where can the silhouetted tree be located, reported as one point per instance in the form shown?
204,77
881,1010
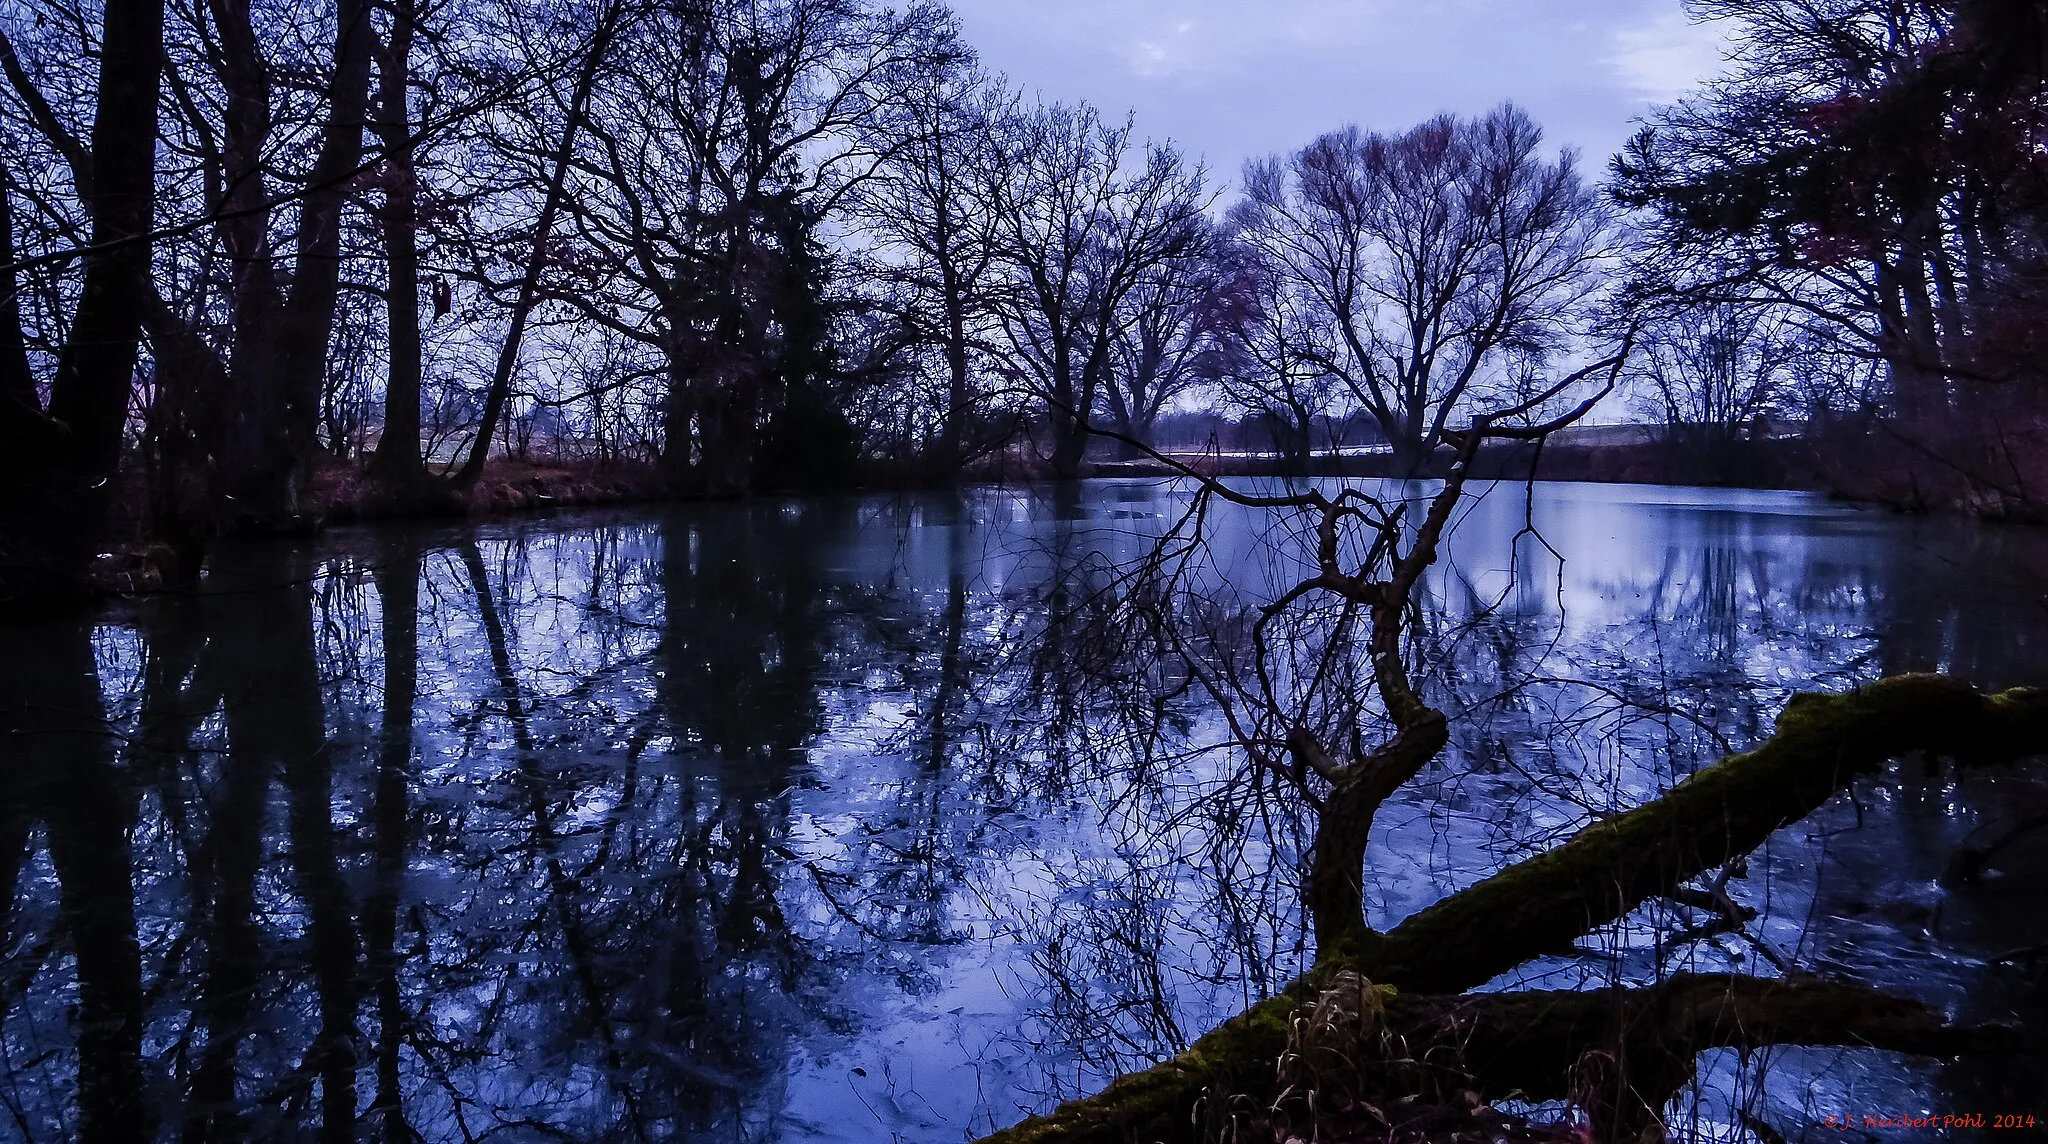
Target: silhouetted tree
1433,269
60,462
1084,214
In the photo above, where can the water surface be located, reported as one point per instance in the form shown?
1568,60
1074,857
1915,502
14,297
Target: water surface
773,820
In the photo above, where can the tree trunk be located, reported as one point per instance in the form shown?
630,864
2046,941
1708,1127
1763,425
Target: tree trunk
1619,1054
1409,457
181,443
398,460
17,383
1543,904
678,424
307,322
959,394
60,469
1334,894
1069,443
500,390
1292,432
1333,1042
251,418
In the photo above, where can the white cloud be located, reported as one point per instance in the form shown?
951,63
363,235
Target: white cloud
1667,56
1231,79
1207,38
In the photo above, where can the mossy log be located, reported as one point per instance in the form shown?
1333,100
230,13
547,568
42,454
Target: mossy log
1543,904
1189,1096
1644,1041
1420,1055
1822,742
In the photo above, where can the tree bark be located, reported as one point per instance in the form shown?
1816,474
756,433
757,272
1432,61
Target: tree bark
183,443
17,383
307,322
247,436
1335,893
1822,742
1620,1054
953,441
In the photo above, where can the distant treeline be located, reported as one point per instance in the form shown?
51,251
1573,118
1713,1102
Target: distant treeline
752,244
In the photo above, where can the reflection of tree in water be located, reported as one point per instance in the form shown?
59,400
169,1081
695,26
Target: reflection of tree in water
748,618
1677,655
1177,899
662,995
543,888
587,833
1559,719
67,785
905,861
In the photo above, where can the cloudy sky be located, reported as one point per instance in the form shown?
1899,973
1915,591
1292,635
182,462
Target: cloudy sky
1236,79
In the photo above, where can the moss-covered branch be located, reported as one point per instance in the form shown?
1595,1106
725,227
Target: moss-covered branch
1167,1101
1645,1041
1543,904
1356,1046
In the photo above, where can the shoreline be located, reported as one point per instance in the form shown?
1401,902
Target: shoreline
345,494
1786,464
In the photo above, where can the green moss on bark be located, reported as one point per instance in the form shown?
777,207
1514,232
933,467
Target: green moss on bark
1543,904
1189,1096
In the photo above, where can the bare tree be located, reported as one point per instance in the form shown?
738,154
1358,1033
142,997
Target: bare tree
1084,213
1712,370
1166,332
1891,258
1862,163
707,169
1444,261
930,224
1323,709
537,253
282,322
1269,351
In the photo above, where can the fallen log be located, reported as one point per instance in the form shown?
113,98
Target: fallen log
1190,1097
1543,904
1619,1054
1336,1052
1822,742
1352,1056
